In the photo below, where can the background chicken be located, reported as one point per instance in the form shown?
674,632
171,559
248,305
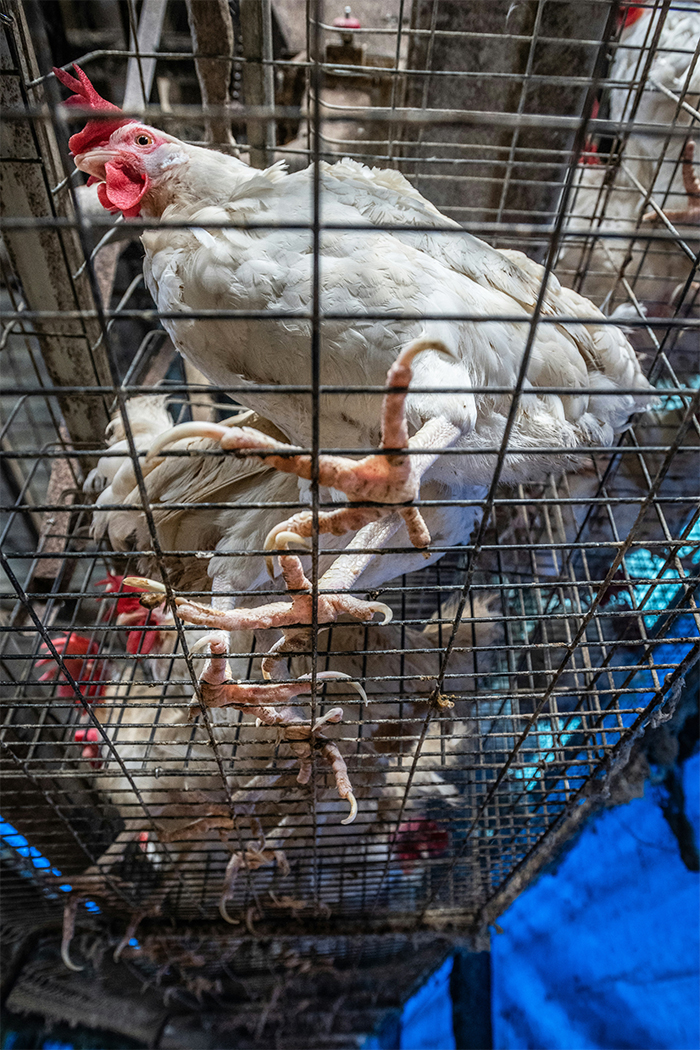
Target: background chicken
180,489
142,171
612,197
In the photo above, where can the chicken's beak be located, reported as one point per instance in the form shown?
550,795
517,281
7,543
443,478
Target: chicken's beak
93,163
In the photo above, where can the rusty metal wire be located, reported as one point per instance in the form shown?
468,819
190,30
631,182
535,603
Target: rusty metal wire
564,626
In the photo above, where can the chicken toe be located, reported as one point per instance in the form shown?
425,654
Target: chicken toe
690,215
303,737
387,478
283,615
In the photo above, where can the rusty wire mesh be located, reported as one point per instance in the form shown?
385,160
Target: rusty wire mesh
580,619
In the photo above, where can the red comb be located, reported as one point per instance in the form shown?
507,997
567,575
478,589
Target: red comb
630,15
96,132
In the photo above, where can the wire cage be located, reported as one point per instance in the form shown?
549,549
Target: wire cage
506,694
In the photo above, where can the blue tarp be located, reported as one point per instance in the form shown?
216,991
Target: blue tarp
603,953
426,1019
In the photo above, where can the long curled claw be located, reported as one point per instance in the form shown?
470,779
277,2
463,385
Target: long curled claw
420,346
67,960
280,538
245,415
69,914
204,645
284,539
130,932
383,609
232,868
253,914
154,591
334,676
215,431
353,809
335,760
332,717
225,915
201,645
142,583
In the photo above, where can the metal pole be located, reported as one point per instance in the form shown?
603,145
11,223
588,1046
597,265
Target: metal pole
140,71
211,27
258,77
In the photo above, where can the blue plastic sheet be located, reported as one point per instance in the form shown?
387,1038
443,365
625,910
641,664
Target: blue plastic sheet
603,953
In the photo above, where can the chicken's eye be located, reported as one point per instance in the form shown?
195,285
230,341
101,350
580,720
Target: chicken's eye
144,140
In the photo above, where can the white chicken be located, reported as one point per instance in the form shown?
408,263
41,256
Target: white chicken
612,202
180,490
384,296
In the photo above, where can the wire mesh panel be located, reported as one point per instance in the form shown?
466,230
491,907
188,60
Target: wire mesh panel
172,752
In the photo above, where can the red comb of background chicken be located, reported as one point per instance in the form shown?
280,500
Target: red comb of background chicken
90,738
96,132
629,16
78,654
128,600
419,839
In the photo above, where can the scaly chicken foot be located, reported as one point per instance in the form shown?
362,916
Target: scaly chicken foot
339,577
342,575
253,857
387,480
436,434
220,690
282,615
293,619
690,215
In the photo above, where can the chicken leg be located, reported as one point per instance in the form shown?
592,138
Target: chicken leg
690,215
386,479
293,618
219,690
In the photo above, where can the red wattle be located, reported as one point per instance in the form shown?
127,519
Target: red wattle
104,199
125,187
141,643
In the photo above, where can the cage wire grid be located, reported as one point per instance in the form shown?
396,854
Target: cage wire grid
558,633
